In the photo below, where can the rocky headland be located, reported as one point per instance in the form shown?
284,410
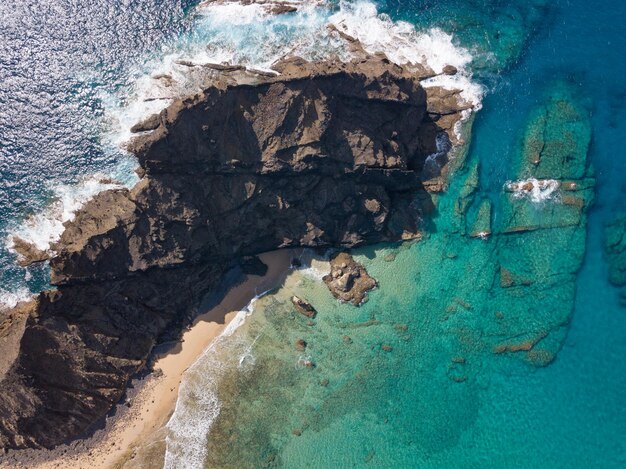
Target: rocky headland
322,154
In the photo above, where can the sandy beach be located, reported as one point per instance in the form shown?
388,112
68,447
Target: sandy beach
134,435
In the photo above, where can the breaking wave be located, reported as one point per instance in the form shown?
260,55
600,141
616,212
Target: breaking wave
248,34
198,406
9,299
535,190
44,228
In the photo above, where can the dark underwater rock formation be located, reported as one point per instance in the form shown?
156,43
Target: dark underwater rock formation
326,154
615,247
543,224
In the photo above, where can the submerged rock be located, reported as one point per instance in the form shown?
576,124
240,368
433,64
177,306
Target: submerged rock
552,160
482,225
348,280
615,245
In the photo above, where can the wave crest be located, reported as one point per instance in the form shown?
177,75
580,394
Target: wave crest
249,34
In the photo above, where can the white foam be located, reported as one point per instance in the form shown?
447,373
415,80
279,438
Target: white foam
198,405
535,190
234,13
312,265
400,41
9,299
46,227
246,34
403,44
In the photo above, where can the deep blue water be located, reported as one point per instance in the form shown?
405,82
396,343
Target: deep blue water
58,59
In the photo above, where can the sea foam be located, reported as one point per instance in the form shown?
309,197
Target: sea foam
44,228
535,190
403,44
198,405
249,35
9,299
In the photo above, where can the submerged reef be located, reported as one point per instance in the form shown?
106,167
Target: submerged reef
542,230
314,154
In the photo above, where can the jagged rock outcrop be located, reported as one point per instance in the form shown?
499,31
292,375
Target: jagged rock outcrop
326,154
348,280
303,307
27,253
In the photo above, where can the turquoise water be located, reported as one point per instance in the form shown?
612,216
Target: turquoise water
506,351
498,352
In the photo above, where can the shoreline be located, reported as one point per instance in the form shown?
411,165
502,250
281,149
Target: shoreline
138,420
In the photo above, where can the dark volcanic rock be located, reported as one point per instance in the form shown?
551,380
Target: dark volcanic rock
147,124
450,70
348,280
324,155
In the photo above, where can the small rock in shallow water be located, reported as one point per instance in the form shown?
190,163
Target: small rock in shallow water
540,357
348,280
390,257
401,327
304,308
450,70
